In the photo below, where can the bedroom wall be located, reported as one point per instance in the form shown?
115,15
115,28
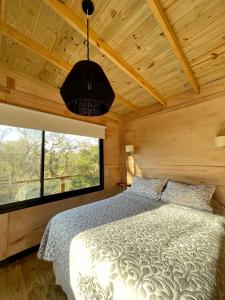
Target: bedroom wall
178,143
22,229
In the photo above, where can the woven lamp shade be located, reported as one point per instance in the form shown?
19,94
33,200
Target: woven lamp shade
86,90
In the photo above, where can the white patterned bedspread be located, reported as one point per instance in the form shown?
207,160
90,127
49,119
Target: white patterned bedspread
128,247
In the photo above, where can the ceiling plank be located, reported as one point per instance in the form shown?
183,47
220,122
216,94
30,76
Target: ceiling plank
55,59
40,50
67,14
161,17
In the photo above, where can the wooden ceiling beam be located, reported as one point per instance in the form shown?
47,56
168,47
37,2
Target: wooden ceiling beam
127,103
113,116
53,58
67,14
162,19
30,44
147,110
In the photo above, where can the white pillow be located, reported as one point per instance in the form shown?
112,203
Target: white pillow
151,188
195,196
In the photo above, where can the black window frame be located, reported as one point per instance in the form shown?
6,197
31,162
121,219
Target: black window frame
44,199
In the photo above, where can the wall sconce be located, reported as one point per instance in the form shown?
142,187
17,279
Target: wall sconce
219,141
129,149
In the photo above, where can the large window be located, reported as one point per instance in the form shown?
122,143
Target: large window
37,167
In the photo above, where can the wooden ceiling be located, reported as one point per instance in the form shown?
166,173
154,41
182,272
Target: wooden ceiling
149,49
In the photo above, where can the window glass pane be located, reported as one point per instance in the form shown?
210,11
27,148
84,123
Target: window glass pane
71,162
20,154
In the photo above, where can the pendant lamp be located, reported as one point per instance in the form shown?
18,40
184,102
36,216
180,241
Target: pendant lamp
86,90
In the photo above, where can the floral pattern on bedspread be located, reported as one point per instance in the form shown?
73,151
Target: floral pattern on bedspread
166,252
64,226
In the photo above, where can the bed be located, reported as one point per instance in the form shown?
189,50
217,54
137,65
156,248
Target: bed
132,247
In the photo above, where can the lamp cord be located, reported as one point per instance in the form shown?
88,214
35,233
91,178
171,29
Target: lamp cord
87,36
89,76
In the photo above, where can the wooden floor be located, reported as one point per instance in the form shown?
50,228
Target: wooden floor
29,279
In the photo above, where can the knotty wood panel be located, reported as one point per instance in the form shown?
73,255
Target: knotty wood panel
16,282
179,143
26,226
3,234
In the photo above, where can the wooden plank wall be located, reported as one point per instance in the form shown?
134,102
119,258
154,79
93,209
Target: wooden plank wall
178,143
22,229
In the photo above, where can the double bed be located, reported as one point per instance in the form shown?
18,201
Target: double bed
132,247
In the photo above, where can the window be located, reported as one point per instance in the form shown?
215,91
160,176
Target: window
71,163
20,159
37,167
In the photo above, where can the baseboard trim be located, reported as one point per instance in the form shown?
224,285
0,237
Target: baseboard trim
15,257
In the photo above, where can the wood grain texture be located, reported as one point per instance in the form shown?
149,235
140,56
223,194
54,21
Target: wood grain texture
73,20
3,235
131,30
2,16
51,57
189,98
161,17
28,279
179,143
34,46
2,9
16,285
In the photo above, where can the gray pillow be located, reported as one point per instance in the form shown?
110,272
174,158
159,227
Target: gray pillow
151,188
195,196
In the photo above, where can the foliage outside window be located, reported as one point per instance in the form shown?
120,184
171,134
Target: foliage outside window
47,166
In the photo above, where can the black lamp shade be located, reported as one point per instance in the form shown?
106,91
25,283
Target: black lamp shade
86,90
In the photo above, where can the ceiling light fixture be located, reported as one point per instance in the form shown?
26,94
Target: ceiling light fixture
86,90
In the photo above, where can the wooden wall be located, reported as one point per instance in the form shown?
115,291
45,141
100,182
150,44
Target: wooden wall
178,143
22,229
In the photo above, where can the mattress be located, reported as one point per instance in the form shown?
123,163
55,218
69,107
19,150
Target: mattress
131,247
